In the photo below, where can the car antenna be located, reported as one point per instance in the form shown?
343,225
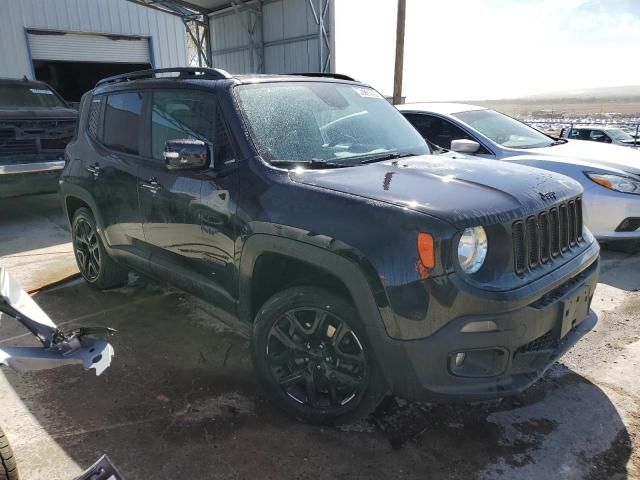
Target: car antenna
24,78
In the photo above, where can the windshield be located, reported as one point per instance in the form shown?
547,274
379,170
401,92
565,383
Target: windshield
504,130
28,96
327,122
618,134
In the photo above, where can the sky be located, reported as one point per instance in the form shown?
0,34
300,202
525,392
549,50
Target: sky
490,49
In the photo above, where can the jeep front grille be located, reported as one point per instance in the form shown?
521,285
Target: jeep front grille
541,238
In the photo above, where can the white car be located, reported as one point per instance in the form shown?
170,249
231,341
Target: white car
610,174
600,133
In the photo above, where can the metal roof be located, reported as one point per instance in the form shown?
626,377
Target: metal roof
186,7
443,108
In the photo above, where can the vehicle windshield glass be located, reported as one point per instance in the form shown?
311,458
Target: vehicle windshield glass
328,122
618,134
28,96
504,130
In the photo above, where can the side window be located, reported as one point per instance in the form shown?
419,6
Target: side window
598,136
576,134
95,109
122,122
182,114
438,131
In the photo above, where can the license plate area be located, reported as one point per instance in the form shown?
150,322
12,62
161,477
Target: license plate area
575,310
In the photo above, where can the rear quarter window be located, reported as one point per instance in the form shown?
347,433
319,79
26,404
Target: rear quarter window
95,114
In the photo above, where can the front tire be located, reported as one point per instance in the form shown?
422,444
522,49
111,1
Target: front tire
96,266
310,350
8,468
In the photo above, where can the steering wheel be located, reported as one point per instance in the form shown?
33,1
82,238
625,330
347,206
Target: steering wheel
341,137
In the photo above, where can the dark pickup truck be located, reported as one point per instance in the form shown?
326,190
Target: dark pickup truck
35,126
309,207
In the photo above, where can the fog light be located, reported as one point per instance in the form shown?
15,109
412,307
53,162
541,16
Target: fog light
476,327
486,362
460,358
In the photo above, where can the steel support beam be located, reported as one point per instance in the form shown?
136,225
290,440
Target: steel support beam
253,24
320,10
198,30
196,22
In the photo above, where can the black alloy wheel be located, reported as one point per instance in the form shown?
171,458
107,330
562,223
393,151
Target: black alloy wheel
317,359
310,350
87,249
94,262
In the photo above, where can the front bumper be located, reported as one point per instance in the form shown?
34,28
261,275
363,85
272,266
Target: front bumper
605,209
531,338
29,178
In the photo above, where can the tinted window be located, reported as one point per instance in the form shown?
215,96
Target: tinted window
437,131
122,121
577,134
181,114
598,136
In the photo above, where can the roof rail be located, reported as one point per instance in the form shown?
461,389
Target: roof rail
185,72
339,76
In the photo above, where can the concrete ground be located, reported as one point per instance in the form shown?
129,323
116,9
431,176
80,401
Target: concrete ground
181,399
35,244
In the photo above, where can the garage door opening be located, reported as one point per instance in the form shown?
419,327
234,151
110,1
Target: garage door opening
73,62
73,79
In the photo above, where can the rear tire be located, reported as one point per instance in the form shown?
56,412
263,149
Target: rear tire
311,352
96,266
8,468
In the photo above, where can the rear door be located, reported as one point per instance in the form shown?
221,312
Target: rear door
187,214
113,167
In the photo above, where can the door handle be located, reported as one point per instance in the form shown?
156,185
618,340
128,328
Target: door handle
94,170
152,185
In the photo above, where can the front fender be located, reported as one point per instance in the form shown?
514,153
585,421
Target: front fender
335,257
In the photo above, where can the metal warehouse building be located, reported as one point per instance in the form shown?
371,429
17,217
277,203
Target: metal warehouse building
73,43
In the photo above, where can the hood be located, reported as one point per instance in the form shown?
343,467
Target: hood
38,113
591,154
463,192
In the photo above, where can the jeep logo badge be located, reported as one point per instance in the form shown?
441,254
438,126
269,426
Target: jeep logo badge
547,196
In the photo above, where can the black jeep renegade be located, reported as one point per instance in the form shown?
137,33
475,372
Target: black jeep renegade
308,207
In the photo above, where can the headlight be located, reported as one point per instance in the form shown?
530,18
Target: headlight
472,249
619,183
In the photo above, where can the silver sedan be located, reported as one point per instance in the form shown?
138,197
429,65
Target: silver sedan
610,174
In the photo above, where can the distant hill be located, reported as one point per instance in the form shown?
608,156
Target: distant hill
626,91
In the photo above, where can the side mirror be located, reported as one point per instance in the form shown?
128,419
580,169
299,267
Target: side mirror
186,154
464,146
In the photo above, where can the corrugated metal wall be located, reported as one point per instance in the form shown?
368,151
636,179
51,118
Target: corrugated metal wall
167,32
290,36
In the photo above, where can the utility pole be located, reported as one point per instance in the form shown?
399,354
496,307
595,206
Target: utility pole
397,76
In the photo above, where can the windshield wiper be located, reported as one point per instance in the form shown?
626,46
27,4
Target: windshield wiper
313,163
386,156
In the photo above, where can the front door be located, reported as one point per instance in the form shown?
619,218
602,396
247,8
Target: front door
187,214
